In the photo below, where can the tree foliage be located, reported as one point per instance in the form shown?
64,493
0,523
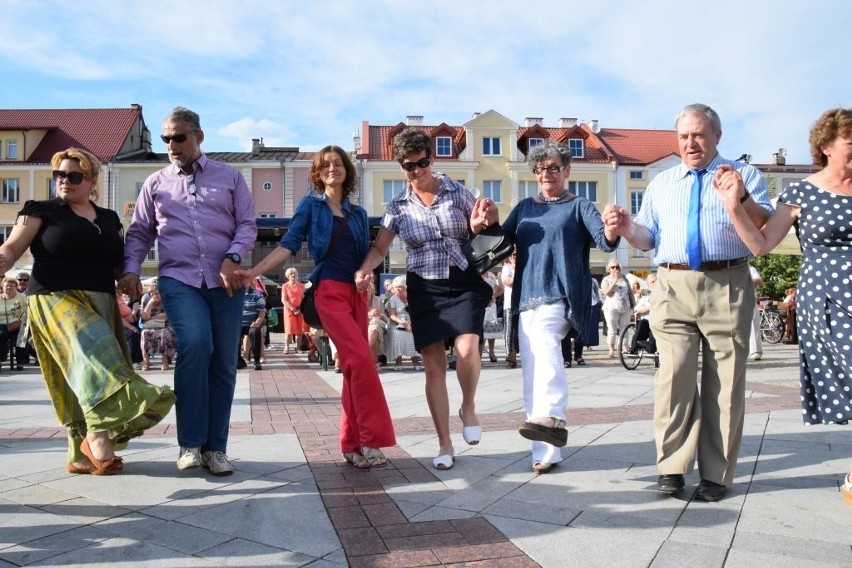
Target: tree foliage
778,272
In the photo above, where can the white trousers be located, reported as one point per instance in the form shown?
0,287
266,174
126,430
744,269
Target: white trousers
540,333
755,344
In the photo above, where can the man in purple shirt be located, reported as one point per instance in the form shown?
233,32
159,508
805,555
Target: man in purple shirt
202,216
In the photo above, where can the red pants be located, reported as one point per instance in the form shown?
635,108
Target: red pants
365,420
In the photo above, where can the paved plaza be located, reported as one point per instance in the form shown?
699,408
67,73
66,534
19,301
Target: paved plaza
294,502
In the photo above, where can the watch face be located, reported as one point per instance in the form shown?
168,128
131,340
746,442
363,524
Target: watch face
234,256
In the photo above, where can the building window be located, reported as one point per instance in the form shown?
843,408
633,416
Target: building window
5,231
636,201
152,254
391,188
267,215
12,149
11,191
492,190
527,189
533,142
267,186
587,189
51,188
491,146
443,146
576,147
138,188
637,174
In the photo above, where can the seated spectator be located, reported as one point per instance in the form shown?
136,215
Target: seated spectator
13,309
157,335
254,317
643,336
400,341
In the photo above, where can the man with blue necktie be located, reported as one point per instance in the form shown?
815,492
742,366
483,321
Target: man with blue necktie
704,299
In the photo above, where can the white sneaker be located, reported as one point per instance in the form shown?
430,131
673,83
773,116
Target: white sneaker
217,463
189,458
755,356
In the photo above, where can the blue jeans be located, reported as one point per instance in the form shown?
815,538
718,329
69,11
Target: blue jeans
206,323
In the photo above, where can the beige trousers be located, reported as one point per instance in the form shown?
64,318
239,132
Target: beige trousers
713,311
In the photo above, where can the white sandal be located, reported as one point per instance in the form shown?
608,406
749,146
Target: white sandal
471,434
443,462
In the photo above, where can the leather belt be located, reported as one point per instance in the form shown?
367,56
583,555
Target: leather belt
707,266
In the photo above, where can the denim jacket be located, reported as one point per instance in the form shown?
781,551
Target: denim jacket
313,221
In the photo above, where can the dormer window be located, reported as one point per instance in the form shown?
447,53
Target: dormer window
443,146
533,142
12,149
576,147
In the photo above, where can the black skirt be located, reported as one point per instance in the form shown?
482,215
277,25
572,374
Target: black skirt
442,309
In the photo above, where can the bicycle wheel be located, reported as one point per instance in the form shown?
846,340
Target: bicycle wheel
771,327
628,359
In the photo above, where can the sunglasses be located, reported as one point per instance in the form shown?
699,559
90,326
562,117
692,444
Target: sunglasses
553,170
411,166
615,268
179,138
73,177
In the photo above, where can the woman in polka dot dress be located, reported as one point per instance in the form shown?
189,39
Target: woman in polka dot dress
820,206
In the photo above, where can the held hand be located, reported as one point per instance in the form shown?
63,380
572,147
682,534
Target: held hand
227,277
729,185
245,276
483,215
363,279
616,218
130,284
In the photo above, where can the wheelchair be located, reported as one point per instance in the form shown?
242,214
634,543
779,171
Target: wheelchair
640,345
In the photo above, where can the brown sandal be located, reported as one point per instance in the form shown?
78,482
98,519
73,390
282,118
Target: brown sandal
374,456
357,460
101,467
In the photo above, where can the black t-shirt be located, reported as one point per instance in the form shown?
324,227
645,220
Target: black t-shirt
72,253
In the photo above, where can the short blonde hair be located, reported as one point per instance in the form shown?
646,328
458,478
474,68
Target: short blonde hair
9,280
88,162
290,271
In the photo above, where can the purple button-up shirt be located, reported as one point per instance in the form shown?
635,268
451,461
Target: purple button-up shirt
197,219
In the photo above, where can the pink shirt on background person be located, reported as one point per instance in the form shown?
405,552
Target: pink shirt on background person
194,232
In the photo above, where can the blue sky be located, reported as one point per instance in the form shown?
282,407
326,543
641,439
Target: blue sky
307,74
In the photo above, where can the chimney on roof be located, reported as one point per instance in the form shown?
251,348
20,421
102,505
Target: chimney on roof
476,115
533,121
593,124
567,122
136,106
414,120
256,146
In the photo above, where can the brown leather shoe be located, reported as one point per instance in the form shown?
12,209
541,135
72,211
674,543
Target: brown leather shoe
101,467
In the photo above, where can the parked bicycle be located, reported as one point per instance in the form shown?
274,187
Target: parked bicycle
771,324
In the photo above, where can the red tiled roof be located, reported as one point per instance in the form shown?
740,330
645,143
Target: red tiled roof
639,147
381,142
101,131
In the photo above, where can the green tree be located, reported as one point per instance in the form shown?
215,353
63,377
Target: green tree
778,272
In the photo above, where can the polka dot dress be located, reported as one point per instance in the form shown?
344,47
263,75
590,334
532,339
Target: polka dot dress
824,302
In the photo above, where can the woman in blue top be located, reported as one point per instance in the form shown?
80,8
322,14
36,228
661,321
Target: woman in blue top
552,232
365,423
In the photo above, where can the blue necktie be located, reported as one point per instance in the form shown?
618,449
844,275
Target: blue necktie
693,222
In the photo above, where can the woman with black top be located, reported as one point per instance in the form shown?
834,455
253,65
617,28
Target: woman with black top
77,248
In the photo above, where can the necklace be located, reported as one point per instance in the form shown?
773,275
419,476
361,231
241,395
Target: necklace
559,197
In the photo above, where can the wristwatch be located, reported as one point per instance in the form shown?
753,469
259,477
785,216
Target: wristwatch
745,196
234,257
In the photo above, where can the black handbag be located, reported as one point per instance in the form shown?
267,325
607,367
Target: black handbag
308,305
488,248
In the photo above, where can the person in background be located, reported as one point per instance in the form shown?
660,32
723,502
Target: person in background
507,277
755,345
130,326
704,301
292,293
820,207
491,325
377,324
337,232
77,249
552,233
643,325
400,341
254,317
201,215
157,336
618,304
24,347
435,216
13,310
590,336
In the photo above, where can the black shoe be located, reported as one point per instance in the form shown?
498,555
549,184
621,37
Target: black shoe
710,491
241,363
671,484
257,367
556,434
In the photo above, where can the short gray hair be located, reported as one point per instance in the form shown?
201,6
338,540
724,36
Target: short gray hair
549,148
183,114
706,111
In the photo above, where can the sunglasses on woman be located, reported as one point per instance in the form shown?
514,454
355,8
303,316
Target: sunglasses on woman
411,166
73,177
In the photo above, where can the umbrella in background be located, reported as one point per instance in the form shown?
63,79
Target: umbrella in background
633,278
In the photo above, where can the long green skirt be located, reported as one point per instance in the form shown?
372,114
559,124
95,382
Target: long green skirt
80,343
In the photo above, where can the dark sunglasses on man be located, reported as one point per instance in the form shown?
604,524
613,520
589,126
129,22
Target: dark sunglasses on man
179,138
